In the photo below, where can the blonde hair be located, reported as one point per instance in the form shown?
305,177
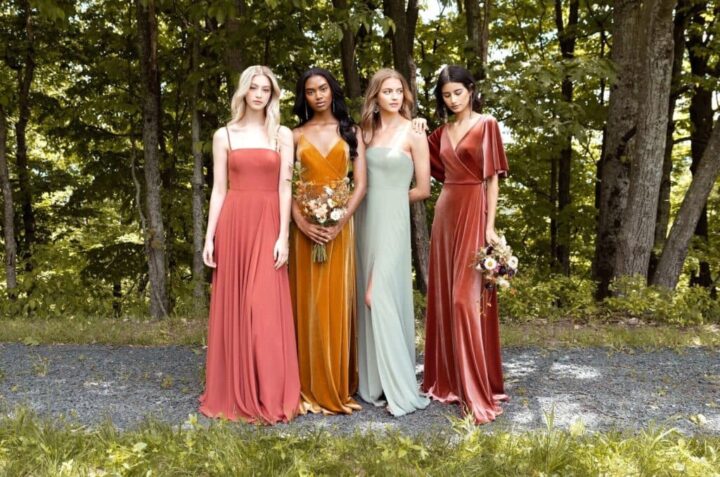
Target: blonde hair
370,120
272,108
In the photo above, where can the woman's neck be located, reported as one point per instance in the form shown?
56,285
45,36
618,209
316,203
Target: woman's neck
390,119
252,117
323,117
464,115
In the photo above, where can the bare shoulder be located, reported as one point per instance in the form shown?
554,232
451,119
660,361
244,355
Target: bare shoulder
220,133
296,133
285,135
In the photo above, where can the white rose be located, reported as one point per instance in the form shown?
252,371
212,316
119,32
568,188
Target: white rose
489,263
336,214
331,203
322,219
513,262
502,283
328,190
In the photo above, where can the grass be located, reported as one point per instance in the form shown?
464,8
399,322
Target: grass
32,446
185,331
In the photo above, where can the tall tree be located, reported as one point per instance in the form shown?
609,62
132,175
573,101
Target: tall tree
351,75
567,35
150,84
236,31
701,112
618,141
198,193
403,37
676,89
8,210
25,74
477,24
655,44
684,225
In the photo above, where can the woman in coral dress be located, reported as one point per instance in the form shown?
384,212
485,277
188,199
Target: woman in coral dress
328,145
462,344
251,370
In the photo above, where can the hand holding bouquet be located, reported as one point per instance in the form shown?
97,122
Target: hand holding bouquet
497,264
321,204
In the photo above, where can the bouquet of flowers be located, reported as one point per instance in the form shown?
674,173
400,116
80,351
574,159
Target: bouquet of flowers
321,204
497,264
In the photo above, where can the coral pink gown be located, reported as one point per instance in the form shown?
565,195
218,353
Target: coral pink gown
462,344
252,368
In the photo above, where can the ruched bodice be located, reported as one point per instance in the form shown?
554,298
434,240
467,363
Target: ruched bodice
253,169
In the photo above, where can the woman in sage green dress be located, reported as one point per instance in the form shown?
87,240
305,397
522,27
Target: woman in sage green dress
386,328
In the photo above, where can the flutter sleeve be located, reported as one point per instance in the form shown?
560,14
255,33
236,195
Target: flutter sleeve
494,159
437,169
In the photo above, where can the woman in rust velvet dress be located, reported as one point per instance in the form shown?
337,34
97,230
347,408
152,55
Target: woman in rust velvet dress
251,370
327,146
462,344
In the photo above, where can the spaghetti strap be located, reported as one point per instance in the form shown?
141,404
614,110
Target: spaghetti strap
228,135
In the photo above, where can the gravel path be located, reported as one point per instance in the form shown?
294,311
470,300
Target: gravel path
602,388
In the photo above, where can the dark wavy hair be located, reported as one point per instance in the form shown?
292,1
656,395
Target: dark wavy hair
455,74
339,109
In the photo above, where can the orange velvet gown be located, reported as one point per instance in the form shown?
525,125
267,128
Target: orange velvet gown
323,297
462,344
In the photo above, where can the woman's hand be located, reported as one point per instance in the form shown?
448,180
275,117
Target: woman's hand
208,252
491,237
280,252
311,231
329,233
419,125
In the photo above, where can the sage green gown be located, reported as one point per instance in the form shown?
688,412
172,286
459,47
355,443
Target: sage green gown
386,330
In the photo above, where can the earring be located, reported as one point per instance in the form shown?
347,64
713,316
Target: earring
332,105
376,109
306,112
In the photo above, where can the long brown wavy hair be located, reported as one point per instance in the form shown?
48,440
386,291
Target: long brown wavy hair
370,119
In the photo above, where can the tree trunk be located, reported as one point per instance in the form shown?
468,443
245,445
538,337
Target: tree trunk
567,35
619,139
662,219
477,21
25,78
402,48
235,61
150,84
8,212
683,228
347,52
701,119
656,47
198,195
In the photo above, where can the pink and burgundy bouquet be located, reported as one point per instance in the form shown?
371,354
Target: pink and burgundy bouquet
497,264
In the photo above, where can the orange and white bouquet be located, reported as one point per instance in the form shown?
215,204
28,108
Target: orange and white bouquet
321,204
497,264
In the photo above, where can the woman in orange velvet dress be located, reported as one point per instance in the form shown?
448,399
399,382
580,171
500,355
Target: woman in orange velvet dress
328,146
251,370
462,343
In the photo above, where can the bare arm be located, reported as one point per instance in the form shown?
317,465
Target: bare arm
492,186
217,197
280,253
421,160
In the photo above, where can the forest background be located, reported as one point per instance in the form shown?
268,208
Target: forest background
608,109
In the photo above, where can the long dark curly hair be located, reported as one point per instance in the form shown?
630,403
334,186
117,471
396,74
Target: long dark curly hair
339,109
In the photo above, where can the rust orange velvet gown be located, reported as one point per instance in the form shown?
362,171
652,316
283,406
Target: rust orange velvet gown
324,298
462,344
251,370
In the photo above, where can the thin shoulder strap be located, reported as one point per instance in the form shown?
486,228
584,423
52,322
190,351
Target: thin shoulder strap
228,135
